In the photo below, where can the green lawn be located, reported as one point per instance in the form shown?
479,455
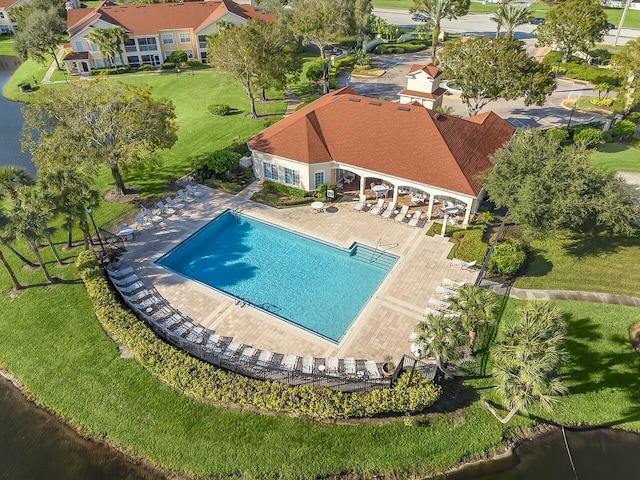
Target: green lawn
599,263
602,372
6,46
615,157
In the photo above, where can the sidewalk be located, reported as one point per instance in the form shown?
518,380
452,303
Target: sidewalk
47,76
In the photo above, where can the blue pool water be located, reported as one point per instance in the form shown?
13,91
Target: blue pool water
314,285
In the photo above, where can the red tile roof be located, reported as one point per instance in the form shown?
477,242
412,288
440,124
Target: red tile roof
429,68
149,19
7,3
77,56
414,93
406,141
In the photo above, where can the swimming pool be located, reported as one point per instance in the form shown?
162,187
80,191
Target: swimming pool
314,285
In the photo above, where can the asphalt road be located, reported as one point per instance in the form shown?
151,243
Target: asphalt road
481,24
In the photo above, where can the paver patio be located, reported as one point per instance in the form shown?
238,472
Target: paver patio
383,326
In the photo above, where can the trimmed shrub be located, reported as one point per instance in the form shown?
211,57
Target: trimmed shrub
588,136
338,64
623,128
602,102
284,189
204,382
219,109
194,63
559,134
321,193
110,71
507,258
145,68
178,57
580,70
167,66
218,163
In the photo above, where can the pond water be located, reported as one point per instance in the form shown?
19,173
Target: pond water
34,444
11,122
597,454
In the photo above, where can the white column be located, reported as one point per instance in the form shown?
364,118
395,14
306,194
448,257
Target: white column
430,209
395,194
444,224
467,214
362,180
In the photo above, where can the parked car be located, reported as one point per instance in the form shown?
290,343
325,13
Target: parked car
611,26
331,50
420,17
536,21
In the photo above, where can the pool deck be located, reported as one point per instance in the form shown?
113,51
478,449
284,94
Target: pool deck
384,324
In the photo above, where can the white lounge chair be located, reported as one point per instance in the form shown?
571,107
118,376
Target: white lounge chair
415,219
430,311
183,196
307,364
446,292
164,209
434,302
246,354
264,359
333,364
154,218
192,191
131,288
142,223
212,342
447,282
403,213
470,265
377,208
171,321
138,296
372,369
350,366
123,282
120,273
174,204
361,202
389,210
290,362
230,350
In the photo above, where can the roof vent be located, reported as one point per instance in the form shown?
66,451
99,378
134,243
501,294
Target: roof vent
377,104
439,116
404,109
354,99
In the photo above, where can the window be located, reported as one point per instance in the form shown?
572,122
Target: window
79,47
168,54
185,38
291,177
99,63
319,179
130,45
134,61
189,53
270,171
147,44
167,38
202,41
145,58
93,47
203,57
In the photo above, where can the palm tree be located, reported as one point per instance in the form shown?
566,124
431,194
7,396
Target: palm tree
443,336
510,16
70,192
438,10
4,221
476,307
527,361
109,42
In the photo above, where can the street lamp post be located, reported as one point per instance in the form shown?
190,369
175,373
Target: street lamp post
573,109
417,356
90,212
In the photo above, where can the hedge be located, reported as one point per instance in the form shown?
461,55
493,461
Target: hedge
580,70
110,71
335,68
202,381
470,245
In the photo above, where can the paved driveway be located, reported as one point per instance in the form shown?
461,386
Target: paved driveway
552,113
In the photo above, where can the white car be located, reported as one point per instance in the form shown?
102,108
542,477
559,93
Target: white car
420,17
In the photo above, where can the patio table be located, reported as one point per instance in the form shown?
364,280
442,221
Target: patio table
126,233
380,190
317,206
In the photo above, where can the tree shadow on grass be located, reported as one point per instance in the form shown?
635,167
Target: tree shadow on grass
585,245
539,266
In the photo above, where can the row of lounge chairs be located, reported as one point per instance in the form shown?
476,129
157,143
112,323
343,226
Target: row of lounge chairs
446,290
150,306
389,210
471,266
146,219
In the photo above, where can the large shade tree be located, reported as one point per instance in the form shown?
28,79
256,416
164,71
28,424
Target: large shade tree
438,10
39,35
444,336
257,55
573,26
626,64
96,122
487,69
527,361
548,188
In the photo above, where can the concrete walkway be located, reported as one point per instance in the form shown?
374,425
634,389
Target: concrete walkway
575,295
47,76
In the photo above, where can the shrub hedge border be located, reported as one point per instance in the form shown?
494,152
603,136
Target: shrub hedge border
203,381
